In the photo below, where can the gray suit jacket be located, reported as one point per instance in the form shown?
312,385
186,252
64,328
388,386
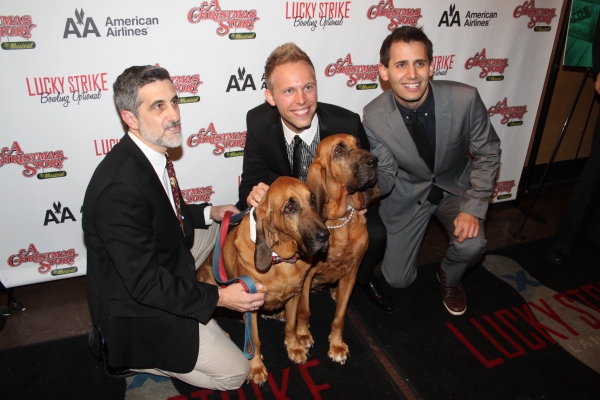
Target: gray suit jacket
466,160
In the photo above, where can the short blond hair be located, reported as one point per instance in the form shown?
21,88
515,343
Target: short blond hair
286,53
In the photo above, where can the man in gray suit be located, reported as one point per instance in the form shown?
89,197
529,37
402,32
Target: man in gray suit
438,155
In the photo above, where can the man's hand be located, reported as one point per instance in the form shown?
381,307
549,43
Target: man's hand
597,84
466,226
257,194
218,212
235,298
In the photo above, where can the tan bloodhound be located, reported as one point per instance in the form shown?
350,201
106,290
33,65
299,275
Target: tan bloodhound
343,176
289,231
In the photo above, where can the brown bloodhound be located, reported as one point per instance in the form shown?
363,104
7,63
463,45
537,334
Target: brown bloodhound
288,228
343,176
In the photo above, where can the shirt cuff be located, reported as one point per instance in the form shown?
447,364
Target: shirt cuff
207,219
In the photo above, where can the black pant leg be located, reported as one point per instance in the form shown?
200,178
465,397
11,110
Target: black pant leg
377,244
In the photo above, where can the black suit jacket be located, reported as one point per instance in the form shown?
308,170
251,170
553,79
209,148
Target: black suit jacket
142,290
265,156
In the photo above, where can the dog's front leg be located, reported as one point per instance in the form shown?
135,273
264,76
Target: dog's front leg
296,351
303,316
338,350
258,371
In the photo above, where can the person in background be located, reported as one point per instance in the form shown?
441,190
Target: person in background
581,219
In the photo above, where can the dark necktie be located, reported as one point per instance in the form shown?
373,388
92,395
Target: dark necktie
174,189
297,157
420,137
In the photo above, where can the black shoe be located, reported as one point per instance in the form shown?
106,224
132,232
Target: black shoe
559,252
379,295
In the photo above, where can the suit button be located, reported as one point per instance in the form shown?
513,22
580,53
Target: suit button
419,202
433,179
191,267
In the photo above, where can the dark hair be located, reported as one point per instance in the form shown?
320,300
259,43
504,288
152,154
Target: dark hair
404,34
127,84
286,53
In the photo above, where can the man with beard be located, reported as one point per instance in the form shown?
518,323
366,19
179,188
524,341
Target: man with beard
291,117
438,155
148,311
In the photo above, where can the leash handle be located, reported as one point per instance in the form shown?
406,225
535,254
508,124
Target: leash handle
221,277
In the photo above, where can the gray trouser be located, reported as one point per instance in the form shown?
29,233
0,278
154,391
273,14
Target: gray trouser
400,260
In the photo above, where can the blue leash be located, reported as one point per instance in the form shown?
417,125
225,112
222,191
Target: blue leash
221,276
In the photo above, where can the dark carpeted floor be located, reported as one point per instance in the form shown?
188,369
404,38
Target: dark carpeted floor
499,349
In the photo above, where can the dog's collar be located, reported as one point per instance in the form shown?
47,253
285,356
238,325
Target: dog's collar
275,259
345,219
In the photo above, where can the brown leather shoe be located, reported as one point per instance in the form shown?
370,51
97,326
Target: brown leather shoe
454,298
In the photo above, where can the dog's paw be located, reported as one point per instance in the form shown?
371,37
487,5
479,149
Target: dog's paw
306,340
297,354
258,375
338,353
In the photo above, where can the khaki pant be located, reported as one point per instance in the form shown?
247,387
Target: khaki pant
221,365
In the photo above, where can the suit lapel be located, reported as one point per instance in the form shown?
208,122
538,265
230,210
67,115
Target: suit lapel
443,120
402,136
148,173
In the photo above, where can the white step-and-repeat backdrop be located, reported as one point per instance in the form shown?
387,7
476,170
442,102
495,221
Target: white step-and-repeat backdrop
59,60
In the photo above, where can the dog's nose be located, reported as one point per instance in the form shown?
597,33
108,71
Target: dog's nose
371,162
322,236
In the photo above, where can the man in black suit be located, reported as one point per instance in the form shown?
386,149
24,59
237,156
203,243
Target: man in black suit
293,114
580,221
143,296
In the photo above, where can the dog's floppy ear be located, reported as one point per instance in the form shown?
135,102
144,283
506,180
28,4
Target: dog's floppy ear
362,200
262,253
316,181
370,195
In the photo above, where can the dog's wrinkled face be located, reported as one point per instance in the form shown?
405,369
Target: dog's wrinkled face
288,223
342,168
350,165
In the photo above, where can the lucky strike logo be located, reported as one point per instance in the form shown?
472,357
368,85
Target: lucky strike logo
14,26
442,64
487,65
397,16
311,14
64,90
197,195
32,162
355,73
503,187
536,15
508,113
221,141
105,146
45,260
226,19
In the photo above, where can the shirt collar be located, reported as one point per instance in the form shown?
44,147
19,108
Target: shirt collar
158,160
306,135
422,109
